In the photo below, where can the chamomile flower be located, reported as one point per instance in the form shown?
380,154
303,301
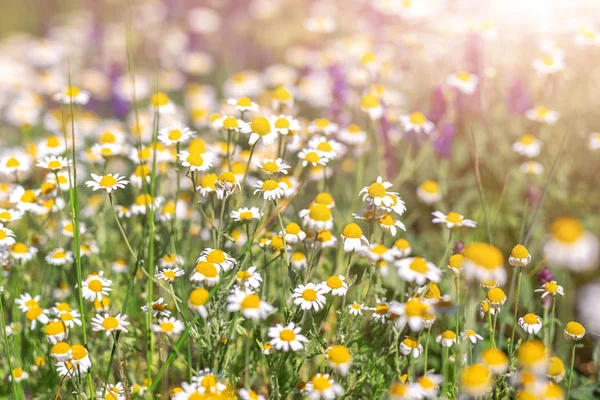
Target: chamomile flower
519,256
108,183
287,338
531,323
61,352
109,323
247,394
158,308
243,104
285,125
594,141
175,133
418,270
249,304
197,301
356,308
452,220
299,260
270,189
323,126
485,308
161,103
7,237
317,217
57,256
447,338
321,386
410,345
483,262
95,286
217,257
260,128
312,157
463,81
245,214
574,331
169,274
26,199
405,391
169,326
476,380
18,374
549,64
310,296
532,356
336,285
225,184
543,114
401,248
417,122
353,238
56,331
352,135
21,252
377,194
495,360
72,94
429,192
249,278
54,163
170,261
112,392
570,245
273,167
496,297
527,146
471,336
195,161
205,272
8,215
556,369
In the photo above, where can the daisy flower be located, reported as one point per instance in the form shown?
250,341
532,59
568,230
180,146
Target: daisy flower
381,310
353,238
225,184
61,352
378,252
387,223
471,336
95,286
312,157
293,233
56,331
370,104
519,256
57,256
20,252
299,260
543,114
483,262
429,192
169,326
447,338
574,331
322,125
207,185
15,164
321,386
245,214
7,236
496,297
72,94
161,103
452,220
112,392
412,312
219,258
549,64
418,270
531,323
417,122
317,217
377,194
230,124
18,374
401,248
273,167
206,272
463,81
310,296
410,345
197,301
195,161
260,128
339,359
570,245
556,369
288,338
270,189
475,380
356,308
249,304
455,263
109,324
404,391
243,104
533,356
175,133
527,146
158,308
531,168
495,360
336,285
353,135
249,278
285,125
8,215
170,261
108,183
26,200
54,163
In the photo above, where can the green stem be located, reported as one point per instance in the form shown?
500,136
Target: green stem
7,349
512,337
427,349
552,313
571,370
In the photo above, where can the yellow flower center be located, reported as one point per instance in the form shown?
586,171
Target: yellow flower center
5,215
496,295
175,134
95,285
53,141
575,328
475,376
107,137
322,123
551,287
243,275
198,297
334,282
484,255
419,264
379,249
59,254
209,181
108,181
377,190
531,352
287,335
382,309
455,261
282,123
29,197
2,234
417,118
251,301
244,102
527,139
54,164
548,60
246,215
567,230
159,99
530,319
19,248
319,212
292,228
54,328
309,295
463,76
320,383
110,322
352,231
226,177
282,94
312,157
167,326
270,167
454,218
369,101
269,185
207,269
230,123
431,187
402,244
261,126
449,335
519,251
208,381
72,91
494,357
411,342
60,348
297,256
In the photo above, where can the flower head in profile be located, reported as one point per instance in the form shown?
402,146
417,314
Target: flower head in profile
72,94
54,163
249,304
108,183
463,81
452,220
417,122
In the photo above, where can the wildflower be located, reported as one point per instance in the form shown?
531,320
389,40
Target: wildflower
417,122
57,256
109,324
7,237
531,323
418,269
243,104
356,308
260,128
169,326
161,103
317,217
532,168
195,161
387,223
519,256
447,338
452,220
247,394
496,297
485,308
170,261
489,285
471,336
455,262
483,262
378,253
175,133
158,308
336,285
206,272
225,184
299,260
217,257
322,125
249,304
321,386
54,163
429,192
310,296
20,252
549,64
270,189
95,286
8,215
108,183
574,330
170,274
293,233
532,356
285,125
56,331
288,338
377,194
197,301
412,346
273,167
26,200
245,214
249,278
476,380
551,289
571,246
401,248
61,352
543,114
527,146
404,391
72,94
112,392
312,157
339,359
556,369
495,360
463,81
353,135
18,374
353,238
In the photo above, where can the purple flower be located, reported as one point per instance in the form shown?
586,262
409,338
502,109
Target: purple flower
518,100
438,105
459,247
443,144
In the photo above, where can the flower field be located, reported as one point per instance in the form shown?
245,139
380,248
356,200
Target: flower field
287,199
